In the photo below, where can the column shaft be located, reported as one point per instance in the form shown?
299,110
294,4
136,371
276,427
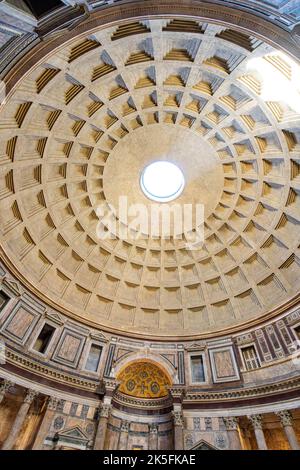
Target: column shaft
260,439
286,420
292,438
16,427
256,421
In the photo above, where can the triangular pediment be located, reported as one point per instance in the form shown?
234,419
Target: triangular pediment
13,286
55,318
203,445
73,433
99,337
196,346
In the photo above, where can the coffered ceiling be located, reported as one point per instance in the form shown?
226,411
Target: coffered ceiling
77,131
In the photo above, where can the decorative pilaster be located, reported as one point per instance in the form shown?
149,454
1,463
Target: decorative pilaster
232,426
256,421
123,441
153,436
109,387
178,429
102,427
286,420
46,423
4,388
177,392
19,421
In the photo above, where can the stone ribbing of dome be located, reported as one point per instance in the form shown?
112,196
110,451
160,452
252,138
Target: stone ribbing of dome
68,122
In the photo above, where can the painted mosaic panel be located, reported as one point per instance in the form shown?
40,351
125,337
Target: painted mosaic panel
143,380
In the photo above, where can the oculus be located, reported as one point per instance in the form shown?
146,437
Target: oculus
162,181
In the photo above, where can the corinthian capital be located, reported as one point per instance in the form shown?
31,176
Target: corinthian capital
5,386
30,396
256,421
105,410
285,418
231,423
52,403
153,428
178,418
125,426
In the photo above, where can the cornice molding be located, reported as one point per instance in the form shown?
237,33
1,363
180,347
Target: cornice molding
149,403
49,372
246,393
188,397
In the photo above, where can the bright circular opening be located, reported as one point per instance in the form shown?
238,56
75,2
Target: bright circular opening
162,181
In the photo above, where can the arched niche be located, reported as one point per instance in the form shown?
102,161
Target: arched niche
144,378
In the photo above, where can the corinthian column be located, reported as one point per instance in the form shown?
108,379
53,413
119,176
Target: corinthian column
46,423
4,387
123,441
19,420
256,421
232,426
287,424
